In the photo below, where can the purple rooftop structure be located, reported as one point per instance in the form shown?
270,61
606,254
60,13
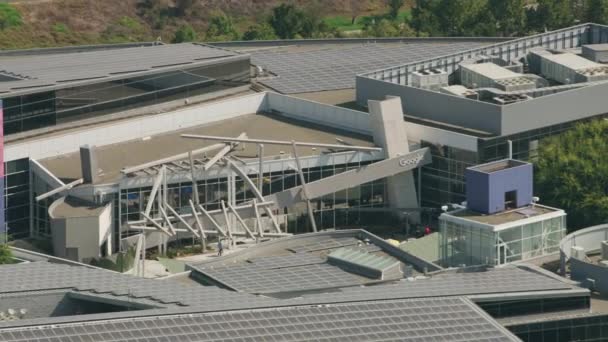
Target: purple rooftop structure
499,186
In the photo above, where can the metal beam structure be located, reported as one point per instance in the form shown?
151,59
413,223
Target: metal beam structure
238,218
224,151
311,215
59,189
168,160
284,143
352,178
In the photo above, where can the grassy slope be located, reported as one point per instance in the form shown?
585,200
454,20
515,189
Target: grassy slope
74,22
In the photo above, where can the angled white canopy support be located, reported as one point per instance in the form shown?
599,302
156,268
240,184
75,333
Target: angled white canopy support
212,220
255,191
194,185
311,215
158,226
59,189
279,142
199,225
157,183
223,152
180,156
258,219
226,219
207,232
166,218
181,219
238,217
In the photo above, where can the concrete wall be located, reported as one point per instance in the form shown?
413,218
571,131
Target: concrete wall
553,109
323,114
126,130
432,105
581,270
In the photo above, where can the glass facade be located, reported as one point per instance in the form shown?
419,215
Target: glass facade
472,244
443,180
582,329
511,308
330,211
17,198
42,109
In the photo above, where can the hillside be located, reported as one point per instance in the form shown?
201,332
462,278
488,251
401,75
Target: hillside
47,23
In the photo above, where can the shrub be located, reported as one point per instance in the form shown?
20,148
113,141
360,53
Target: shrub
9,16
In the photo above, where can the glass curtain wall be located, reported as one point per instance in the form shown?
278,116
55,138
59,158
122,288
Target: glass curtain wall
463,244
330,211
17,198
27,112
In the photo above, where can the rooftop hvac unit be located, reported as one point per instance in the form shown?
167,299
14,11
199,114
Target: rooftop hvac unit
604,250
462,91
567,68
506,99
432,79
490,75
596,52
578,252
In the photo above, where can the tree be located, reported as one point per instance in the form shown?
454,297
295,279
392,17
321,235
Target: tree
463,17
572,173
393,7
313,24
356,7
9,16
510,16
6,256
221,28
287,21
424,18
183,6
184,34
597,11
552,14
259,32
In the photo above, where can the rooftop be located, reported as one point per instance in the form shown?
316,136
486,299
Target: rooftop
304,69
308,262
113,158
572,61
491,70
75,207
49,71
498,166
496,219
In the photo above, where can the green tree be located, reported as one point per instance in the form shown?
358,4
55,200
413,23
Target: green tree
6,256
184,34
260,32
463,17
572,173
9,16
510,16
597,11
221,28
381,28
424,18
552,14
287,21
393,7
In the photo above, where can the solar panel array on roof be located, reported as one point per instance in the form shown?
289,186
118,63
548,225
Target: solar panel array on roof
501,280
46,70
39,276
257,279
282,261
332,69
442,319
325,244
364,263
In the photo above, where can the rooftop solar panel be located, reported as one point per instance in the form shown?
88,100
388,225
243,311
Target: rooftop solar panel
403,320
333,69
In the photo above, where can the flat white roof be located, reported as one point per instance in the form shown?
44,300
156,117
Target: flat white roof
491,70
572,61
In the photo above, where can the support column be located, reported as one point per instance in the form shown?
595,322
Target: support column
388,129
